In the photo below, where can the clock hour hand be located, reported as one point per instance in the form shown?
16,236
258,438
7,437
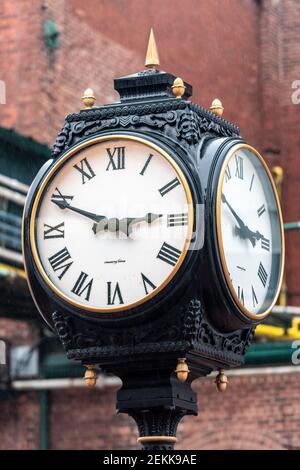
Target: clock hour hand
125,225
246,233
64,205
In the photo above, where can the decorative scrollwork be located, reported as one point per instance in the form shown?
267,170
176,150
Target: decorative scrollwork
190,122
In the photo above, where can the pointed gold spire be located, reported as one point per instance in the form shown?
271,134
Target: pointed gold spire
152,59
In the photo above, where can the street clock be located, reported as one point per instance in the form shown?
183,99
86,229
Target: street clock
153,244
111,223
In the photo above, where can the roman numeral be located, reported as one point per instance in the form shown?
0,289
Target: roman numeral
146,283
57,231
85,169
169,254
58,262
146,164
265,244
116,158
112,294
239,171
58,196
227,174
177,219
169,186
251,184
254,298
261,210
262,274
82,286
241,295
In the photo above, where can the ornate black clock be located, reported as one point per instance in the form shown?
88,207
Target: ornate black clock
153,245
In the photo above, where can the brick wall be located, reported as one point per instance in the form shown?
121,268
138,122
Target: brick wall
280,67
256,412
108,39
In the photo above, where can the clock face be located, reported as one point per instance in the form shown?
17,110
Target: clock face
249,229
111,223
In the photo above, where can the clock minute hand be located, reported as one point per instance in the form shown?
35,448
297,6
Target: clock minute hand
125,225
239,220
64,205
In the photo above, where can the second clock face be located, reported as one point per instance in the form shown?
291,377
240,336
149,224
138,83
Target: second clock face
250,232
112,223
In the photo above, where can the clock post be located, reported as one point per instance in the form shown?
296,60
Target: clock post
140,255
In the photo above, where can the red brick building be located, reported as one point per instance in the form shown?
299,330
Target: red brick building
245,52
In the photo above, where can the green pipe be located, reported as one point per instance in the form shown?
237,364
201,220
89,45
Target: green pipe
270,353
292,226
43,425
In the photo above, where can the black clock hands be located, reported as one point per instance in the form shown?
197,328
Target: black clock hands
239,220
243,230
102,223
124,225
127,223
249,234
64,205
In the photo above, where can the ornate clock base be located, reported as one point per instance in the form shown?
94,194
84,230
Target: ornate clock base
157,409
157,427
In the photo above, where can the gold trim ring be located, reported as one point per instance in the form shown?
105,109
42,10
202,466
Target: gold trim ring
244,310
145,439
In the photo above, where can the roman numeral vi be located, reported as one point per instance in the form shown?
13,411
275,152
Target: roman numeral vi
114,294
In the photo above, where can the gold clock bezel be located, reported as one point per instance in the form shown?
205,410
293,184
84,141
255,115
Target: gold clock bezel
69,154
244,310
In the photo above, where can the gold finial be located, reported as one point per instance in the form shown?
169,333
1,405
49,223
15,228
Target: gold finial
182,370
217,107
277,174
88,98
221,381
90,377
152,59
178,88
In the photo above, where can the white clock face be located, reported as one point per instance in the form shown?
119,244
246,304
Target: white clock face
112,224
249,231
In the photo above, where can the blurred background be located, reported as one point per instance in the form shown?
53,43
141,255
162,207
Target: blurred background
244,52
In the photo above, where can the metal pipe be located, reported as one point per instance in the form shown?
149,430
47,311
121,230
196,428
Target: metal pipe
286,309
11,255
57,384
43,421
12,196
14,184
292,226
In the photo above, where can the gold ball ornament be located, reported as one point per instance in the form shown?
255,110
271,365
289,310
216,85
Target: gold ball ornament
182,370
90,377
217,107
178,88
88,98
221,381
277,174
